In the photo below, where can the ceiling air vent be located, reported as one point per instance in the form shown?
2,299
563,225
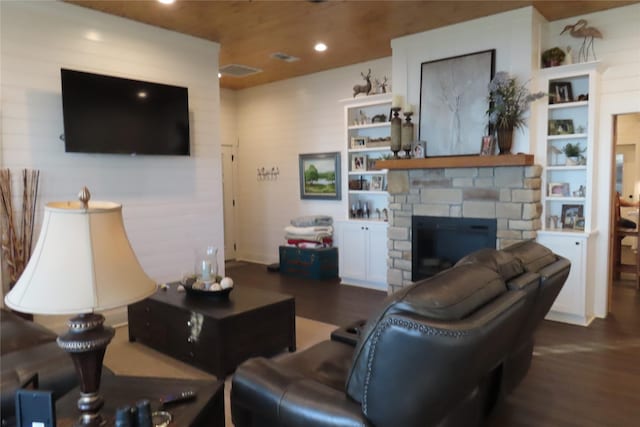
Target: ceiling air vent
284,57
237,70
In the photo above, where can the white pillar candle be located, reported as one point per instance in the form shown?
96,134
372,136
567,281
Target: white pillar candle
396,101
407,109
206,270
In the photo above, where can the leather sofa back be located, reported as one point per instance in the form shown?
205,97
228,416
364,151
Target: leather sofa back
461,321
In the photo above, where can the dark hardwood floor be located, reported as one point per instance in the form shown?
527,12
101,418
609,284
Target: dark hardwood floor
323,300
582,377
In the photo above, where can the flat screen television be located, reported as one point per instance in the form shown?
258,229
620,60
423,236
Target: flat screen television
104,114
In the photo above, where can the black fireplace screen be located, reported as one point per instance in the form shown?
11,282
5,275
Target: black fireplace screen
439,242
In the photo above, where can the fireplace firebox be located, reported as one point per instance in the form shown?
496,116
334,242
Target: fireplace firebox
439,242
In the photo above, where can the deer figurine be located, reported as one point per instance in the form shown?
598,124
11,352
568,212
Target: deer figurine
363,88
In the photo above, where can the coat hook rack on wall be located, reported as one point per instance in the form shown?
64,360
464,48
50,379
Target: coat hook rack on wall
265,174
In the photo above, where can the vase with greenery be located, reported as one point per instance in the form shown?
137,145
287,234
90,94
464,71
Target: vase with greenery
508,103
573,152
552,57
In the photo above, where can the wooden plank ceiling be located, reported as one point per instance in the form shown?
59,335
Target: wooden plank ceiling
355,31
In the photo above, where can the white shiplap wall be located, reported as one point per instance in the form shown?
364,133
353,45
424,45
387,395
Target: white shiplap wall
276,123
619,52
171,204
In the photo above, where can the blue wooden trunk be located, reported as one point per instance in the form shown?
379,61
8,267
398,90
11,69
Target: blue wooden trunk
319,263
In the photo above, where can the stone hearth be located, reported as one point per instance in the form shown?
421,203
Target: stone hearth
509,194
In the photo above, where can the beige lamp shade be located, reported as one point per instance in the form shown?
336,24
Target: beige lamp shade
82,262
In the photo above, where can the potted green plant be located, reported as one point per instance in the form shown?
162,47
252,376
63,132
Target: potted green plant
573,152
509,100
552,57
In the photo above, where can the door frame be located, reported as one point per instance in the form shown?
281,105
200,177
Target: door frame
229,195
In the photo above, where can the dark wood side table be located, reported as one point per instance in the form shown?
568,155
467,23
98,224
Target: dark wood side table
206,410
215,335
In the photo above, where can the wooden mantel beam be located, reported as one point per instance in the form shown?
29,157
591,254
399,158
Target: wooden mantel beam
457,162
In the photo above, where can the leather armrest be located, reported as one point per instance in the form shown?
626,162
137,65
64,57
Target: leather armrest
311,404
349,334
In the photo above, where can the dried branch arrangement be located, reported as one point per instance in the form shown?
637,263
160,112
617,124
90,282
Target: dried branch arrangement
17,227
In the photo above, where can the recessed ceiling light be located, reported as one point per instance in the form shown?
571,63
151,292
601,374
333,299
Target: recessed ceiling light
142,94
166,1
93,36
320,47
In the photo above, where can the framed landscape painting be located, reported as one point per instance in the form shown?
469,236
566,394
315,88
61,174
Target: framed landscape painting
454,102
320,176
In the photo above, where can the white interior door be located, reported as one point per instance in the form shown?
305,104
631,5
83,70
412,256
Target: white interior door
228,173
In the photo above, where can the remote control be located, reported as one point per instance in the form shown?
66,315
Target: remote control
175,398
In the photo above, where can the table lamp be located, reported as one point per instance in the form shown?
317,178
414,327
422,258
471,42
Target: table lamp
81,264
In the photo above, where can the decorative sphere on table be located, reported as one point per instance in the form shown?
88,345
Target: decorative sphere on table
227,282
215,287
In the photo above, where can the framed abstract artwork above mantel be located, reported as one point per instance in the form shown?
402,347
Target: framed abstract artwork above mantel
454,102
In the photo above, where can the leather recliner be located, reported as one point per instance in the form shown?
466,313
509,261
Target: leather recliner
440,352
26,349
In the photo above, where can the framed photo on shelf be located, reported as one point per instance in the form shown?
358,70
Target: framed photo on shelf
359,141
419,150
571,214
561,127
358,162
377,182
355,184
560,92
559,189
320,176
488,146
371,162
578,224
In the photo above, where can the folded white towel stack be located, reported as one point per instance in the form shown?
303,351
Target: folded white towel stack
310,232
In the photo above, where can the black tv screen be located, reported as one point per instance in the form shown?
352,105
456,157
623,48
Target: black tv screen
104,114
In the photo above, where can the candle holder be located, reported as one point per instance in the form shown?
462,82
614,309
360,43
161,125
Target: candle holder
207,265
407,134
396,132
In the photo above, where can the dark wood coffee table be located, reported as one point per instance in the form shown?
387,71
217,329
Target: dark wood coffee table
215,335
206,410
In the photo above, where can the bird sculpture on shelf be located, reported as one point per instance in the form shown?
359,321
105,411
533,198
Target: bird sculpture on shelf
587,34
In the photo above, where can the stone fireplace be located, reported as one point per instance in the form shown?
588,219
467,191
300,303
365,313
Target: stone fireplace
509,194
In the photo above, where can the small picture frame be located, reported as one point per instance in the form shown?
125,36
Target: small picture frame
560,92
355,184
377,182
419,149
559,189
371,163
488,145
561,127
571,214
578,223
359,141
358,162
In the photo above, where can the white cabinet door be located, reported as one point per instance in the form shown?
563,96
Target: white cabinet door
352,249
377,260
571,303
362,248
